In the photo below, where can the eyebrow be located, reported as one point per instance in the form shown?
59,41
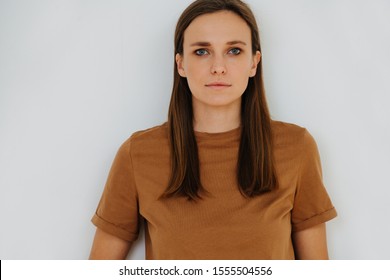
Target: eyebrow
207,44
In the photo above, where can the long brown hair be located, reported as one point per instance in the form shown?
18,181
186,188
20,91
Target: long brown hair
255,165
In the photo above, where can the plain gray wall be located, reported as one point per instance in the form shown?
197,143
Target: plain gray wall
78,77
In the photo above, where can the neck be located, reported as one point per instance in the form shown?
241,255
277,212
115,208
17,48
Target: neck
216,119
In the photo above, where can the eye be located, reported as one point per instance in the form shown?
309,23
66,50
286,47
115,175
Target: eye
235,51
201,52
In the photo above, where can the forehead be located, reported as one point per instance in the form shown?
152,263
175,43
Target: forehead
219,27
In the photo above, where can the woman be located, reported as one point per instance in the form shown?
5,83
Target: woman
220,179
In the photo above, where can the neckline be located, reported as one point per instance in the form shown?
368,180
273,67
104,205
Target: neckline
218,135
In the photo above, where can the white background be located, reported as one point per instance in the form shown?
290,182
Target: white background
78,77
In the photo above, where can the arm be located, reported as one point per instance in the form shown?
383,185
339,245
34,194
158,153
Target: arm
108,247
310,244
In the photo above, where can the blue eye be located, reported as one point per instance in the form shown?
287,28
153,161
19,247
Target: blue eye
235,51
201,52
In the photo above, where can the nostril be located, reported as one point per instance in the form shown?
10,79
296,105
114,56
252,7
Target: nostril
218,70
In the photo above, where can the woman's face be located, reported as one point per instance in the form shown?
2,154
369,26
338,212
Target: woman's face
217,59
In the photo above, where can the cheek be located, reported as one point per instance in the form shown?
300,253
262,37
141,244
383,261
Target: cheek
243,66
241,74
192,74
240,71
194,67
197,74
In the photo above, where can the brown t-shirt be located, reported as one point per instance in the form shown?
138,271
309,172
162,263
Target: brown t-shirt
224,224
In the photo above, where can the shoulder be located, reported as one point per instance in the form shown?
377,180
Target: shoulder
153,133
293,138
155,137
284,133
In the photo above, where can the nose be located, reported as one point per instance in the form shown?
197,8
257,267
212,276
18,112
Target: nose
218,67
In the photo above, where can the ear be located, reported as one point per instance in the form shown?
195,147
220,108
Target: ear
255,61
179,63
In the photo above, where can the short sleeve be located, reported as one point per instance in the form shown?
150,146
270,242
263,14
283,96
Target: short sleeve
312,205
117,212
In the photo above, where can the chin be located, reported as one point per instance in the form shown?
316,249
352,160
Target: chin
221,103
218,99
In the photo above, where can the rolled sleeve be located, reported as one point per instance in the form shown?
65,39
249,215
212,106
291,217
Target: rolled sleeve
312,205
117,212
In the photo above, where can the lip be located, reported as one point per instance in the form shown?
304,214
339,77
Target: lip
218,85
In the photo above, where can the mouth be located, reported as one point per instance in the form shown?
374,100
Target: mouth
218,85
